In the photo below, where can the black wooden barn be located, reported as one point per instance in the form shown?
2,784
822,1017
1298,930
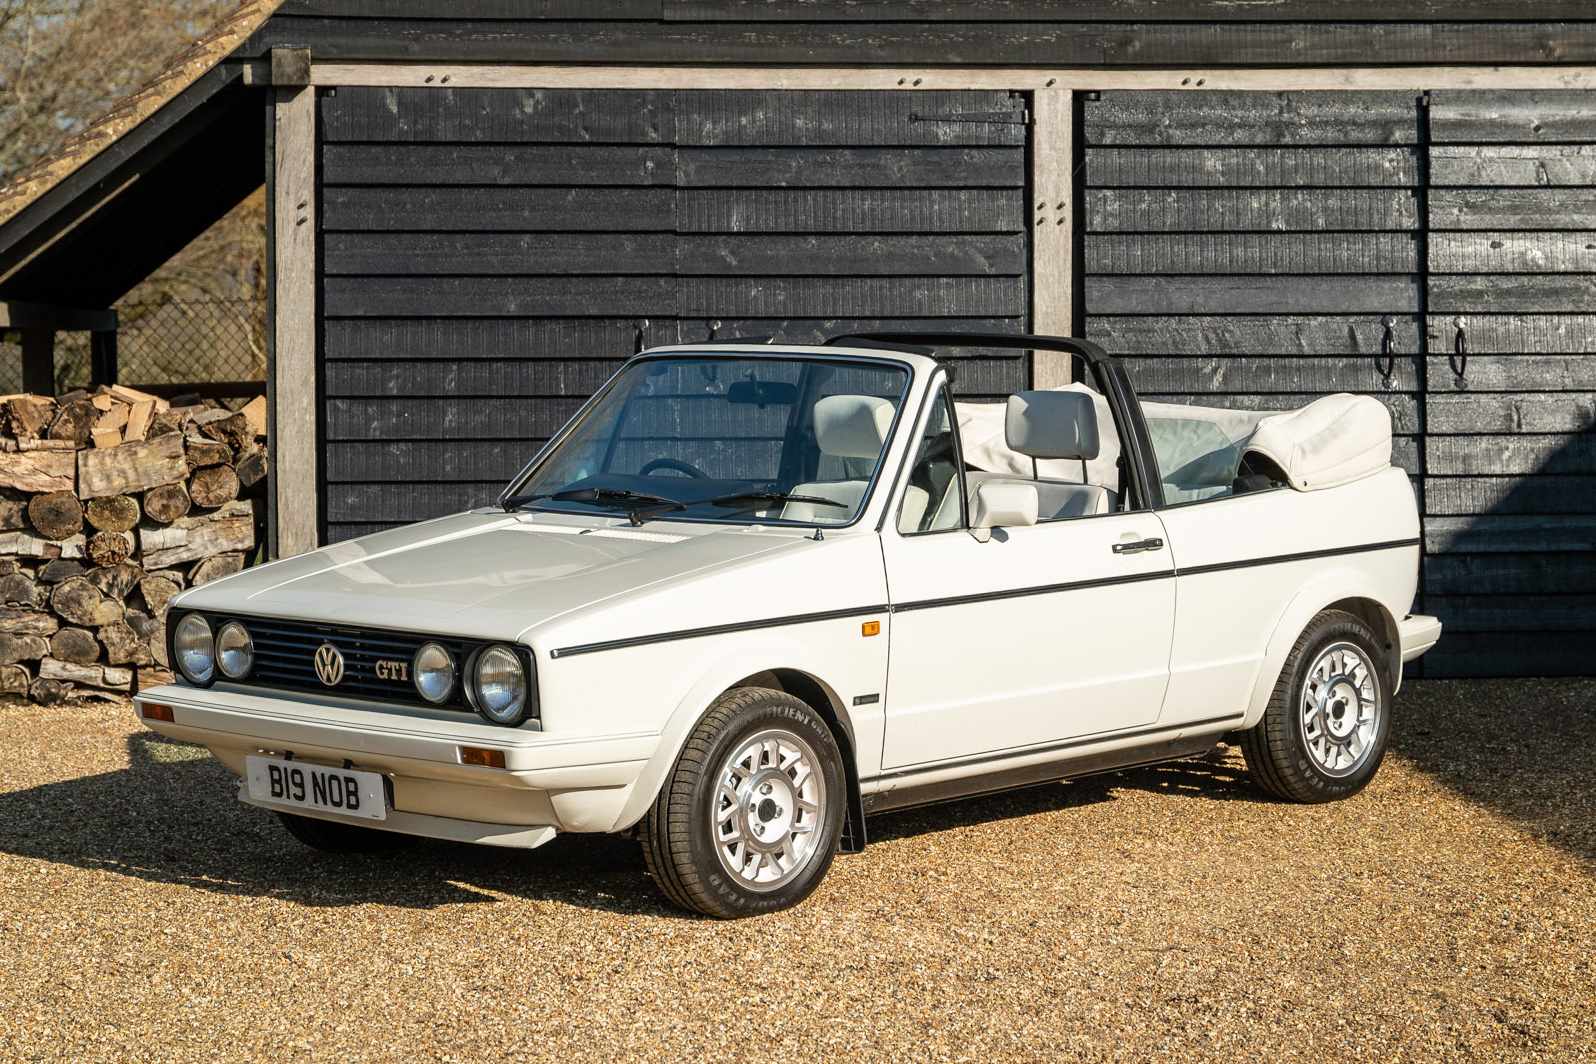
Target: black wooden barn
481,206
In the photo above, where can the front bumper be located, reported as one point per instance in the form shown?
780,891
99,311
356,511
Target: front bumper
549,781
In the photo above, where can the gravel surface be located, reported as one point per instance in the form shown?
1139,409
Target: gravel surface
1175,913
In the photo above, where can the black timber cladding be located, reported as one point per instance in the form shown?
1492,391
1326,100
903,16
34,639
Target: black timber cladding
490,256
1510,409
929,33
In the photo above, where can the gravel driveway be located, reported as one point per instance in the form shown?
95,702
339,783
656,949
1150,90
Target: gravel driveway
1175,913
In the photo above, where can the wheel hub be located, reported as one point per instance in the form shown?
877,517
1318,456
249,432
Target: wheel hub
1341,710
769,807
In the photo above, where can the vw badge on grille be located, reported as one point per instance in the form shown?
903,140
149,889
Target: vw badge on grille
329,665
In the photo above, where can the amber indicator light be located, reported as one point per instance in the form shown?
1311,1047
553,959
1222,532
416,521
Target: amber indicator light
156,711
871,628
476,755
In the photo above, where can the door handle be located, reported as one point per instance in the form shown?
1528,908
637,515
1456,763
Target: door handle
1138,546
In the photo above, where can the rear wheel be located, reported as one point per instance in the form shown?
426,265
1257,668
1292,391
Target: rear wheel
334,836
1323,734
748,821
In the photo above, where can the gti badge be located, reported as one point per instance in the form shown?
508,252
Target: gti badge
329,665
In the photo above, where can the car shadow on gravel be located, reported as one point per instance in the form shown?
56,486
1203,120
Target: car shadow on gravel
170,817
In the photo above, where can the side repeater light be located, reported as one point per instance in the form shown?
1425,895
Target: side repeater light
870,628
156,711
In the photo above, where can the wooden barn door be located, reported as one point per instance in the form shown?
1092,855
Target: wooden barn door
489,256
1510,451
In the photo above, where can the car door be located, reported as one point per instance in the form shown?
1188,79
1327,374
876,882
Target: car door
1041,635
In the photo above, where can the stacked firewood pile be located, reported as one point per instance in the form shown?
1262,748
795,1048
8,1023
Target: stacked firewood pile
110,504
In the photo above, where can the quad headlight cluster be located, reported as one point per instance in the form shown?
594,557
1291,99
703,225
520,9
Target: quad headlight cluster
493,679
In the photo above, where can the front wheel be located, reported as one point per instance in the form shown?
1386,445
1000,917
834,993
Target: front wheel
1324,732
748,821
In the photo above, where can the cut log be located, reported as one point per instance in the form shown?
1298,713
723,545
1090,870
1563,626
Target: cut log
147,628
153,677
235,430
131,467
251,467
76,645
204,452
49,692
124,647
28,622
47,445
167,503
13,510
19,590
115,415
117,580
24,545
157,591
255,410
60,569
105,439
9,566
114,513
102,399
231,528
15,648
14,680
165,423
138,420
38,471
214,485
117,679
29,416
133,395
212,569
80,602
73,421
57,516
55,669
111,548
158,649
71,547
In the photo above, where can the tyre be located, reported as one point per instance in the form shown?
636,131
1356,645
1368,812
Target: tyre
748,821
1324,732
336,837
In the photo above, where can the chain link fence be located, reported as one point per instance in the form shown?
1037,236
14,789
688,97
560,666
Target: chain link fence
173,342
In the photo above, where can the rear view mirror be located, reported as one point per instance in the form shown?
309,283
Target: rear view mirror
999,505
762,393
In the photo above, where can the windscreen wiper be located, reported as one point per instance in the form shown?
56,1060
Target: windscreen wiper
773,496
655,504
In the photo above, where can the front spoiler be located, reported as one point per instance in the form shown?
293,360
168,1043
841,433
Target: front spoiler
514,836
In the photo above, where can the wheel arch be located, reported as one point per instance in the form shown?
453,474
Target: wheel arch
1346,590
754,668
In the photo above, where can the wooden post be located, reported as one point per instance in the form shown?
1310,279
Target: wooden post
102,357
1052,229
38,361
293,413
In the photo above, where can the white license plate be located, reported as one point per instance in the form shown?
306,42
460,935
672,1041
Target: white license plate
327,790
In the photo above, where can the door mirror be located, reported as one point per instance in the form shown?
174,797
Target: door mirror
1002,505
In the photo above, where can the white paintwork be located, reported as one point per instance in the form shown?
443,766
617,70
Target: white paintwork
1052,636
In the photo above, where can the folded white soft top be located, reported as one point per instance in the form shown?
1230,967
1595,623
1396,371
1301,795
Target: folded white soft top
1331,441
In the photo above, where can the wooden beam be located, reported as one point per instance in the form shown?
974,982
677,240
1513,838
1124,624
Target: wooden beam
1052,229
16,315
38,361
293,413
102,357
1018,79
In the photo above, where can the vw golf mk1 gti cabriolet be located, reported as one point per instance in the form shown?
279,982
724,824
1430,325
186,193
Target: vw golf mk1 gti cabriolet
751,593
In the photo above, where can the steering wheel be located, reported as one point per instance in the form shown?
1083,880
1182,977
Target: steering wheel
676,464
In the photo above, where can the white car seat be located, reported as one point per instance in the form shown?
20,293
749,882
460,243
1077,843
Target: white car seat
849,427
1053,425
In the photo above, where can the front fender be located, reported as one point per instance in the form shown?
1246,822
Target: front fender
1339,585
771,652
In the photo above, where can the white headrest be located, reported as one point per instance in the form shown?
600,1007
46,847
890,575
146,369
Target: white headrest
1052,425
1329,442
852,426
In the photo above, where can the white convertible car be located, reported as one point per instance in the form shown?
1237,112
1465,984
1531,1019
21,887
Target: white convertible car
752,592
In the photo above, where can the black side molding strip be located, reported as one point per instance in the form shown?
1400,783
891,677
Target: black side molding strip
718,629
962,600
1072,744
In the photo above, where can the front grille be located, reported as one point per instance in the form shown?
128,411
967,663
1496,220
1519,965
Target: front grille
285,656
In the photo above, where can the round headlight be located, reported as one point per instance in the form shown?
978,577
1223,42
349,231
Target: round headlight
433,671
235,651
196,651
500,685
